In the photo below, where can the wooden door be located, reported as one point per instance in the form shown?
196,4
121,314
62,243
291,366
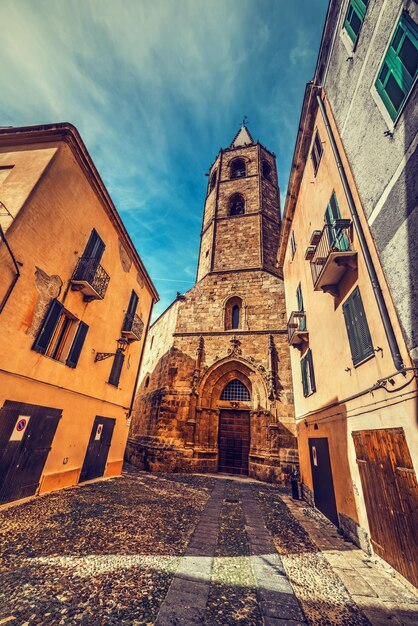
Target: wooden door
234,441
26,435
98,449
323,483
391,497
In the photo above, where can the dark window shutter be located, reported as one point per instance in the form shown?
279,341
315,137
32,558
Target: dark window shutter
133,303
304,376
311,370
48,326
77,345
357,328
116,369
299,297
95,246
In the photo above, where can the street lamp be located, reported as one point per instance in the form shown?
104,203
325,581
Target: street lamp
122,344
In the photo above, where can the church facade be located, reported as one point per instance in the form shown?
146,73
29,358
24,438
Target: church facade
215,390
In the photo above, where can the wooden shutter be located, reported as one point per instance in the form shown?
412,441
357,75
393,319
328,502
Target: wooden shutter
48,327
133,303
116,369
357,328
304,377
311,370
77,345
95,247
299,297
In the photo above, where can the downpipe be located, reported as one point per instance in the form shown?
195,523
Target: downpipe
377,290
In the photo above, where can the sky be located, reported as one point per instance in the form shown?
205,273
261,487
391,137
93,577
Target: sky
156,88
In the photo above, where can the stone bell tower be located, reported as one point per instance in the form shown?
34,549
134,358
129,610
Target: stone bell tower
215,386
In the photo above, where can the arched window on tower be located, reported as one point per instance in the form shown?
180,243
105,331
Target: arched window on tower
238,169
236,204
235,390
233,313
212,182
266,169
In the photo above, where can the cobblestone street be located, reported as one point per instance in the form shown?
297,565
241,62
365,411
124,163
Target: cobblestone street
160,549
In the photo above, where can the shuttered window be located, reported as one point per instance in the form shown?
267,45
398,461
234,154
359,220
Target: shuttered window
77,345
400,66
308,377
299,297
316,152
48,327
357,328
116,371
95,247
354,18
293,243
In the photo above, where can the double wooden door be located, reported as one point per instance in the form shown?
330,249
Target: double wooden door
26,435
391,497
234,441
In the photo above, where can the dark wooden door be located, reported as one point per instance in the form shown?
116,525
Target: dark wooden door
323,483
391,497
98,448
26,434
234,441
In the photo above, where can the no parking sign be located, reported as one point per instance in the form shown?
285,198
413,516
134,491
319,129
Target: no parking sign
19,428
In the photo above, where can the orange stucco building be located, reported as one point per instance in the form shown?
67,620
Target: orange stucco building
354,382
75,303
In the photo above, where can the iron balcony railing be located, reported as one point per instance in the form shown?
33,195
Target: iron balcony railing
133,326
90,278
334,238
296,327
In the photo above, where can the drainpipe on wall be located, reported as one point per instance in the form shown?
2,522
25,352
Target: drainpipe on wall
387,324
16,276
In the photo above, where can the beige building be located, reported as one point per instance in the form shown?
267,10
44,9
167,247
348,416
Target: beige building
75,301
353,376
215,388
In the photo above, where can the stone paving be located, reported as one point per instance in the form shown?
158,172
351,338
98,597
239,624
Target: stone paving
181,550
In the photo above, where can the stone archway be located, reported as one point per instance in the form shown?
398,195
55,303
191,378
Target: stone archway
228,427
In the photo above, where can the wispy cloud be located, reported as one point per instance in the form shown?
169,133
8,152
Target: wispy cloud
155,88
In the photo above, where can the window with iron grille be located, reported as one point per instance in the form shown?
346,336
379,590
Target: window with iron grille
399,70
236,390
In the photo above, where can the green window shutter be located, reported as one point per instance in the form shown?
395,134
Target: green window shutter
293,243
357,328
304,376
48,327
299,297
354,18
311,370
116,369
400,66
77,345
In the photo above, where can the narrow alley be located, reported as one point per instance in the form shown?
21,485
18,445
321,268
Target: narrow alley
176,549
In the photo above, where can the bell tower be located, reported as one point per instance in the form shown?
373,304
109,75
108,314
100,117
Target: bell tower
241,221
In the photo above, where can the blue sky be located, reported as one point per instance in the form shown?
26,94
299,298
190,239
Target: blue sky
155,88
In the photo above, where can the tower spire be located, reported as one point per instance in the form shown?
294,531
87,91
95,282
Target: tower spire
243,136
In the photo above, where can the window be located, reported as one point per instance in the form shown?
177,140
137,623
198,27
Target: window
308,378
61,336
357,328
235,390
236,204
130,312
293,243
354,18
316,152
336,236
266,170
116,371
232,313
400,66
212,182
299,298
146,382
237,168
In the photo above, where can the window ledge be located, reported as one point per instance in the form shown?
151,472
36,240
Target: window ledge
367,358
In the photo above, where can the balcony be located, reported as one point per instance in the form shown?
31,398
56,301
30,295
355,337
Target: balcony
333,257
90,278
132,327
296,328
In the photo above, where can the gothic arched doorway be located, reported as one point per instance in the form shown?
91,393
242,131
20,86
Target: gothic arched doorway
230,395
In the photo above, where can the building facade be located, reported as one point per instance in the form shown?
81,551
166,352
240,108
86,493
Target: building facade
75,300
215,389
348,285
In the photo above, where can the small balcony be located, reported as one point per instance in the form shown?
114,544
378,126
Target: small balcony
133,327
296,329
90,278
333,257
